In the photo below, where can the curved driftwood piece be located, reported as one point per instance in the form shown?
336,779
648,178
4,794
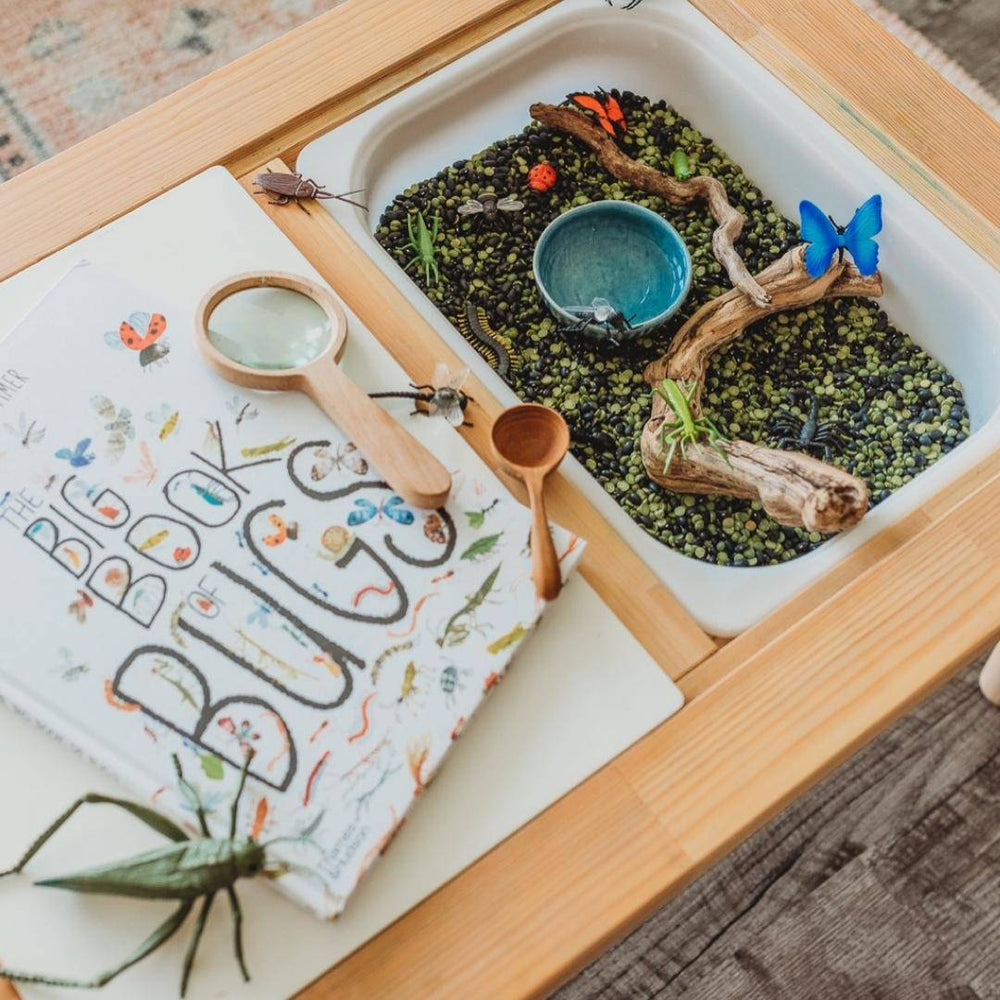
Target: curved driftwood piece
724,318
729,220
794,488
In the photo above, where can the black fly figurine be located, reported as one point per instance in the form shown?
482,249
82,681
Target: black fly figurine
811,434
631,5
603,314
293,187
445,397
490,208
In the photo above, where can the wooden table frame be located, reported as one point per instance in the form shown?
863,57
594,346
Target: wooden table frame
771,711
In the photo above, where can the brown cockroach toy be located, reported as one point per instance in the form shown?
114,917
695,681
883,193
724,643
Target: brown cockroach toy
293,187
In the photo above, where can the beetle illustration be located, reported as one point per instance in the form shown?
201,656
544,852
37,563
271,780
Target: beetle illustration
184,870
293,187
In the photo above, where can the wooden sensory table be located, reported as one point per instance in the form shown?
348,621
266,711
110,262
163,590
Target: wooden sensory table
769,712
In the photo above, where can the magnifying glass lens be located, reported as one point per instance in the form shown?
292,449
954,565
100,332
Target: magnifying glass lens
270,328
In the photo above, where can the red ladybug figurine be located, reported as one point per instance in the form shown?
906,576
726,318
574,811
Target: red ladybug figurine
542,177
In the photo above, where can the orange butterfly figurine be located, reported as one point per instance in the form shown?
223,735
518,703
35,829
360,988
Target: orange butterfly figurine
609,112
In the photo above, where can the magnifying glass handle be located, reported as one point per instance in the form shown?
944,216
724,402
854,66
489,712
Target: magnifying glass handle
409,468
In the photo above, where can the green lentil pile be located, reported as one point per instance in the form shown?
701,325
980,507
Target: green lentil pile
897,409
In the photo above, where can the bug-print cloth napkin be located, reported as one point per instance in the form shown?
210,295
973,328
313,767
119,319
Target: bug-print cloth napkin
198,571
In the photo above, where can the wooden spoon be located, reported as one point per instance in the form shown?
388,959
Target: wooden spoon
409,468
529,441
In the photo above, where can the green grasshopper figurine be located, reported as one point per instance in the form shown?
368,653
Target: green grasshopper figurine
184,870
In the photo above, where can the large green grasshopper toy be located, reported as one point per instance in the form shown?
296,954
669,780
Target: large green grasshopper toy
185,870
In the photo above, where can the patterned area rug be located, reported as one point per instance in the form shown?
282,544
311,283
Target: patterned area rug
69,68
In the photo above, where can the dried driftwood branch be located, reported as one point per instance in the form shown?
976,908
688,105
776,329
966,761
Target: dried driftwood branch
729,220
793,488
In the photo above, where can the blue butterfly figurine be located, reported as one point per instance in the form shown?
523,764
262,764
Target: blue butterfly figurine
79,456
825,237
392,508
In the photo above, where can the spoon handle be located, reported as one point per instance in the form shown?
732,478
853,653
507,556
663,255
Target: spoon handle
409,468
544,562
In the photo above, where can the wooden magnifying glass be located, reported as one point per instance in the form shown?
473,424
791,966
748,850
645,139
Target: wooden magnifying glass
278,332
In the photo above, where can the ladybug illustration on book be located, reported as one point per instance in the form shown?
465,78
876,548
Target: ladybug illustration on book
143,333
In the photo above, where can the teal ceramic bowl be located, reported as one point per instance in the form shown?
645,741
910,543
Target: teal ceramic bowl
614,251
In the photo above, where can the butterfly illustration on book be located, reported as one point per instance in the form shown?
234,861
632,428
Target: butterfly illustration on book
78,457
609,112
242,733
142,332
825,237
392,508
346,456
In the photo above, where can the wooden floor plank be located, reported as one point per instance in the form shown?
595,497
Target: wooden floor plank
967,30
880,882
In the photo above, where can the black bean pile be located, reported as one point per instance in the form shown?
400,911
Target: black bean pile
894,410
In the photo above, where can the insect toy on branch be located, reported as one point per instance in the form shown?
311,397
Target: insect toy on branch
184,870
826,238
686,429
421,242
605,106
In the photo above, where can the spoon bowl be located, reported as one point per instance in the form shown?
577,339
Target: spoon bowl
529,442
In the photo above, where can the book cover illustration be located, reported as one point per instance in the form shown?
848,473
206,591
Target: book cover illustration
192,569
